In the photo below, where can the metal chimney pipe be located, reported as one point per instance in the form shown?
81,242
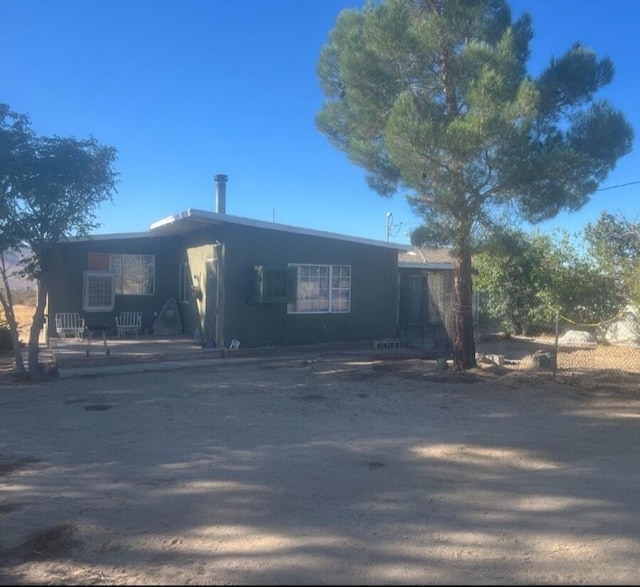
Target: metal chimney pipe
221,193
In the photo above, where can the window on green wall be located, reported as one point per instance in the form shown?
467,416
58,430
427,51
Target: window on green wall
134,275
98,291
322,289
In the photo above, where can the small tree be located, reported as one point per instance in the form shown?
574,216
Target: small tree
511,278
433,97
52,187
526,277
614,243
15,136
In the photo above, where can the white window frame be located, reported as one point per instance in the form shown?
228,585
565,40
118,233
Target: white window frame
135,274
105,280
322,289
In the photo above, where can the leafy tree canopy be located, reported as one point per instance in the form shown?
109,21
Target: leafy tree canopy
50,189
432,98
614,243
525,278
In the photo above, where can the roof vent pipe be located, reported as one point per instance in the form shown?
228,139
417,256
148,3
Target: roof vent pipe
221,193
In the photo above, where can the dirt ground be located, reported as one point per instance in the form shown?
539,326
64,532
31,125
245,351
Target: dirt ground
331,469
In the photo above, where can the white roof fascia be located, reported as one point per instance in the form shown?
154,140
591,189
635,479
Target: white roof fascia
216,218
404,265
168,220
112,236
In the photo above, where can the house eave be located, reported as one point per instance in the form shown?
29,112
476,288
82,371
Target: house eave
111,236
193,219
431,266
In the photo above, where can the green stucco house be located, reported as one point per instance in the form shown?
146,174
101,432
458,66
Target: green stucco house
222,278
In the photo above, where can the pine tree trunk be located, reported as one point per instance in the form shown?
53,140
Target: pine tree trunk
464,348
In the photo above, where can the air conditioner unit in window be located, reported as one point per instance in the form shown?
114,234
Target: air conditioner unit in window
274,285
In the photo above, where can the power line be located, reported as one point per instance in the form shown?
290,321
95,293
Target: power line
617,186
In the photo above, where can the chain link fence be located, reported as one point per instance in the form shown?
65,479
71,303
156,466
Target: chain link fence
589,355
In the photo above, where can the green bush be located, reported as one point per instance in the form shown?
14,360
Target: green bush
524,278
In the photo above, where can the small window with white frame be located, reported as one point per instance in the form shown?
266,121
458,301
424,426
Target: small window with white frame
98,291
322,289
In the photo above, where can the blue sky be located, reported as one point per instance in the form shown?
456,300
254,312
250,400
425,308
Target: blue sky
190,88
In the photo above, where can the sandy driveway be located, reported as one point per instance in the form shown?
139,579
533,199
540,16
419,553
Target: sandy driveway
333,470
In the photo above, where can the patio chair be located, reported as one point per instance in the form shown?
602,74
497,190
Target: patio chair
129,322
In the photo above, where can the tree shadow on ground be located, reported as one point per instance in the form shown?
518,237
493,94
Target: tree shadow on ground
340,471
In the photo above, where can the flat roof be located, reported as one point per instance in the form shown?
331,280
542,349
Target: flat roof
192,219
